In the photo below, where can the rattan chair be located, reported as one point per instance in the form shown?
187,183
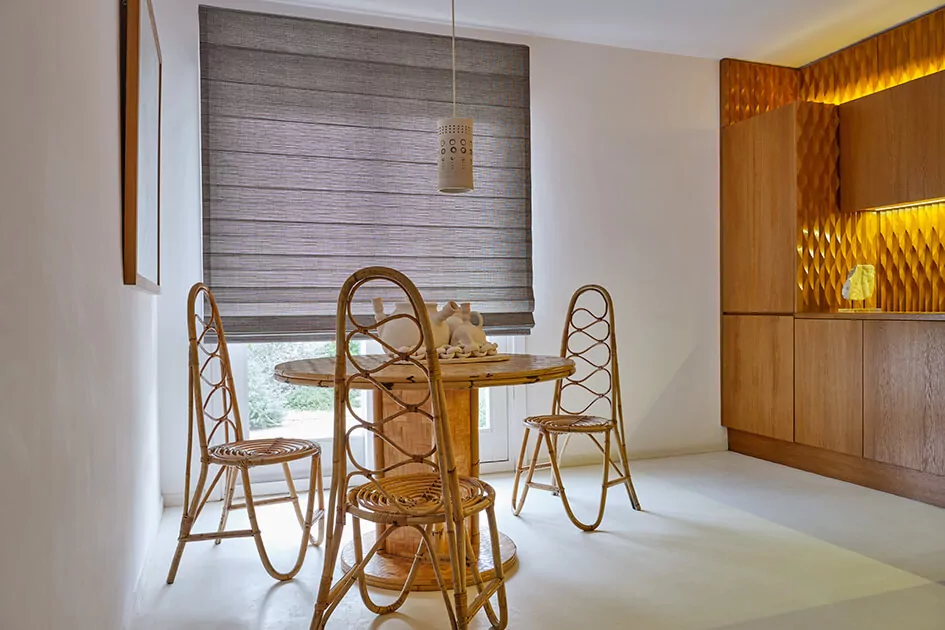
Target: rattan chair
586,403
215,419
428,496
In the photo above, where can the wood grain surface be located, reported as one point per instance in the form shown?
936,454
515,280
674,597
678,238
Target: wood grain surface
904,377
828,385
520,369
892,146
388,571
759,213
865,472
882,316
758,374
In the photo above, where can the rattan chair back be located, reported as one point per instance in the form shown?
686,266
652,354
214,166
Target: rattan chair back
426,404
590,340
213,393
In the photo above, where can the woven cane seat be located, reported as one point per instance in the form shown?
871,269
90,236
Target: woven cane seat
570,424
418,495
261,452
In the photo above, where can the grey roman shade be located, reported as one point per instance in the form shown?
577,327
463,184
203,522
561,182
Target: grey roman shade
319,157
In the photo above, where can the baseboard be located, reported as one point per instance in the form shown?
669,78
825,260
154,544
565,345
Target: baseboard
904,482
260,489
570,460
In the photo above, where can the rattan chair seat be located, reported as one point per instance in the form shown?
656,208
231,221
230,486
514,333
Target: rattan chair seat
419,495
570,424
263,451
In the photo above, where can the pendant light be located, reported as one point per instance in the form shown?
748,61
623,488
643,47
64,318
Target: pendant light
455,140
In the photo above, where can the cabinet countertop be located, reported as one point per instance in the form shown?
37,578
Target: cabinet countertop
880,315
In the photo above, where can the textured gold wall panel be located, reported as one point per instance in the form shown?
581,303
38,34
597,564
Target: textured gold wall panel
912,51
843,76
911,271
829,242
749,89
905,245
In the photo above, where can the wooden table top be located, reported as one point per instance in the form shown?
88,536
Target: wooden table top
520,369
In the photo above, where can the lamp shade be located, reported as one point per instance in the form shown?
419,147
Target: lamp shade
455,165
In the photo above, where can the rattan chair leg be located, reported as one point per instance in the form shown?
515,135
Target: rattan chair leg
438,573
621,467
519,468
320,499
517,509
178,553
290,484
472,564
332,549
257,534
330,595
631,491
454,532
497,583
501,598
228,492
293,495
553,456
379,609
188,517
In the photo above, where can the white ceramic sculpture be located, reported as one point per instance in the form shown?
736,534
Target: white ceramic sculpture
404,333
468,335
462,316
441,330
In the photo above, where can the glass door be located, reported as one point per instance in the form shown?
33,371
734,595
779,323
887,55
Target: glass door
499,409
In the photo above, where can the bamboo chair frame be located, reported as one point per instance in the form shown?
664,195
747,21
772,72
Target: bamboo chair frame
565,422
439,500
234,456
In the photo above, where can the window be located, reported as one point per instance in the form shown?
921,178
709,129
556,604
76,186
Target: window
484,415
276,409
319,157
273,409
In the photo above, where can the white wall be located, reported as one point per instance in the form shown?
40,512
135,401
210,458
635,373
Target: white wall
78,401
625,182
181,263
625,191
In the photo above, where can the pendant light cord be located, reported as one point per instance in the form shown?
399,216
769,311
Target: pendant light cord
454,57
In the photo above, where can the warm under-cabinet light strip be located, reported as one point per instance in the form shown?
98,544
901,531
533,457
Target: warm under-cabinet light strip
905,206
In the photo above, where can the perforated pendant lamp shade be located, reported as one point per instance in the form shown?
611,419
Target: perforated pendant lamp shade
455,142
456,148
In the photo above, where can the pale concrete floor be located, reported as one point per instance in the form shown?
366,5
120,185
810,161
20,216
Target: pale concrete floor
726,542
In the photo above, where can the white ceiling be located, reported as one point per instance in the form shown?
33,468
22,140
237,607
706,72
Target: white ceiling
789,32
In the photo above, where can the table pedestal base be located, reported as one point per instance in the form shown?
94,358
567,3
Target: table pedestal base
388,571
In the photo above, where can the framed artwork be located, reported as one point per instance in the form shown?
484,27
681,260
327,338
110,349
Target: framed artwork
141,145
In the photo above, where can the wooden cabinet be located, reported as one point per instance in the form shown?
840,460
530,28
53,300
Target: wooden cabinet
904,378
892,146
828,384
759,201
758,375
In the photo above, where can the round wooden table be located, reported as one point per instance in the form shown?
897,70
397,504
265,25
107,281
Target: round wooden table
389,568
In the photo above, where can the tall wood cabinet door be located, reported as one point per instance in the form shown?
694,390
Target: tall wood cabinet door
759,213
758,375
828,384
905,394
